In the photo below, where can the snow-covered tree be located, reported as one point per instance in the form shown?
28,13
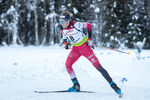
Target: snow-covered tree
116,23
126,23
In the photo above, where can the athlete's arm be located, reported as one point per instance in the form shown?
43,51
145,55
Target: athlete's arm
88,27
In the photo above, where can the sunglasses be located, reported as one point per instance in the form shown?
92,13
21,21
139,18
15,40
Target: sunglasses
62,22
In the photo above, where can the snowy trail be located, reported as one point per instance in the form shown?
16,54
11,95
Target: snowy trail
25,69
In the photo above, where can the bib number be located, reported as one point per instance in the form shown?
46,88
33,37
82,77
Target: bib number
71,38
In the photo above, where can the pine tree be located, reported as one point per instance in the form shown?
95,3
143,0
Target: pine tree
112,23
5,20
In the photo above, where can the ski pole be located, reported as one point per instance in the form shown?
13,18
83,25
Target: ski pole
112,49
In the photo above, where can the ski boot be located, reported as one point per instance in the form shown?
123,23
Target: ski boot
115,87
75,87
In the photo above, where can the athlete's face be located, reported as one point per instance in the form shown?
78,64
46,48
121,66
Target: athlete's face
64,23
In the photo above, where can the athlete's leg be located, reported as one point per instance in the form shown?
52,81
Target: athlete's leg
71,59
88,53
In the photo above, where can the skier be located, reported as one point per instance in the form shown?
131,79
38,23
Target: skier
73,31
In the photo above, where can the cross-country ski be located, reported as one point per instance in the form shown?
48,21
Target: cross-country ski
63,91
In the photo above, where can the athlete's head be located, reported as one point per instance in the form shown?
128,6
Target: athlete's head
64,19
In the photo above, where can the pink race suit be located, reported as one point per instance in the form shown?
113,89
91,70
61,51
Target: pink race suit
75,54
79,41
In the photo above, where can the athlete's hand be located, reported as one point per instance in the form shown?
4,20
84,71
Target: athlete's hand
66,45
90,43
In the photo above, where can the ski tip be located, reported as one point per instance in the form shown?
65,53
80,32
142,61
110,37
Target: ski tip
37,91
41,91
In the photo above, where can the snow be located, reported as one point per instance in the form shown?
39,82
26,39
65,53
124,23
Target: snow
139,44
115,4
49,16
25,69
92,6
12,9
112,37
75,10
97,10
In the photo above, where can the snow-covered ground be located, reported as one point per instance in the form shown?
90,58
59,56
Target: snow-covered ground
25,69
